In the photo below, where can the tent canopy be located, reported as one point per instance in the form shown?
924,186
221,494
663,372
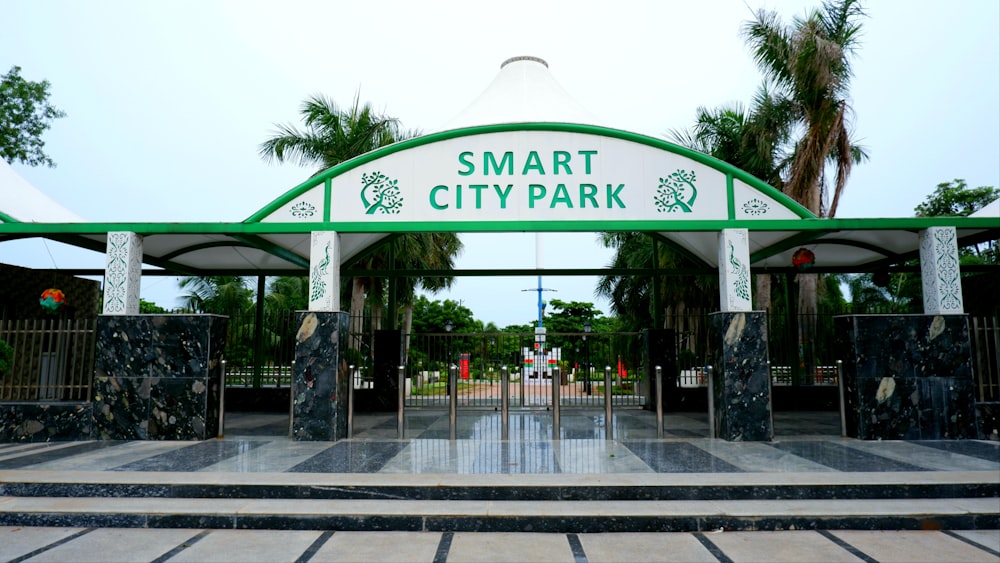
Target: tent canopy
523,157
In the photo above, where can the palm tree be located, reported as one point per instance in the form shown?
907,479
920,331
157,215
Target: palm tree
752,140
219,295
288,293
809,65
333,136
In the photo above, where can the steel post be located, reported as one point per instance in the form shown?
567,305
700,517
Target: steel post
452,402
609,427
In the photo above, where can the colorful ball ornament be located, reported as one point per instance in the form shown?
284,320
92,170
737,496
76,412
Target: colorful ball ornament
52,300
803,259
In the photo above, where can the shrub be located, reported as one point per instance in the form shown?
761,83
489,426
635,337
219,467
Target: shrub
6,356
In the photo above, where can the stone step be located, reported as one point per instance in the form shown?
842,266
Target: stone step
504,487
503,516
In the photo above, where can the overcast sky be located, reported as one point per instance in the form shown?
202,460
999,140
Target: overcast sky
167,101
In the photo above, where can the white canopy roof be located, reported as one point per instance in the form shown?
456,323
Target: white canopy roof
23,202
276,240
524,91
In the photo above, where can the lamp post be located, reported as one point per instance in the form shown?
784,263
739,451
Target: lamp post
586,331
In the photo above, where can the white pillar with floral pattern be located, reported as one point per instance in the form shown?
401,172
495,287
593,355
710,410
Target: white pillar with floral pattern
122,273
939,273
324,272
734,270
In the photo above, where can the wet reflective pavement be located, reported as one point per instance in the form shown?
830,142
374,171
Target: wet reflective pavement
253,443
628,473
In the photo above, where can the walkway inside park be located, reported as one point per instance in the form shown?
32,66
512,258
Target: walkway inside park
255,495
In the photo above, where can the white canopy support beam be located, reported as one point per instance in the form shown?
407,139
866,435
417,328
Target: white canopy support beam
324,272
122,273
734,271
942,285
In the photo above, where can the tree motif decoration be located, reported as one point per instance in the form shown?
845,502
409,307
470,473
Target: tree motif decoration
676,192
303,209
317,287
742,282
379,193
803,259
755,207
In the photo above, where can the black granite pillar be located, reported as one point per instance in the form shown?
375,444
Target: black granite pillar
158,377
320,377
740,378
907,377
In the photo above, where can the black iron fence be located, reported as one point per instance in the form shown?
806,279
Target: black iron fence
53,359
985,334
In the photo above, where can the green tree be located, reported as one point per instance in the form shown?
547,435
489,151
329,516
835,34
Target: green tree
333,135
219,295
753,140
957,199
25,113
287,293
150,308
901,291
809,65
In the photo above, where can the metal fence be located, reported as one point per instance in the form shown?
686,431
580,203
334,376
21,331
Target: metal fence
53,359
577,361
985,335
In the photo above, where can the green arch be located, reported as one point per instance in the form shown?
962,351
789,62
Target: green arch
729,170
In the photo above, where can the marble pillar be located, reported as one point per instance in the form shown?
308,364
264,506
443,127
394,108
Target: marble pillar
324,271
907,377
122,273
158,377
939,272
734,270
740,379
320,387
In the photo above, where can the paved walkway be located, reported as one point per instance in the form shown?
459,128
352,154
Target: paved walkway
107,545
807,448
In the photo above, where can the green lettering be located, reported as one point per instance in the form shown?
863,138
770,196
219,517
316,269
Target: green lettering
433,197
560,158
535,193
469,167
479,193
613,195
561,196
502,194
458,196
533,163
490,161
586,159
588,192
